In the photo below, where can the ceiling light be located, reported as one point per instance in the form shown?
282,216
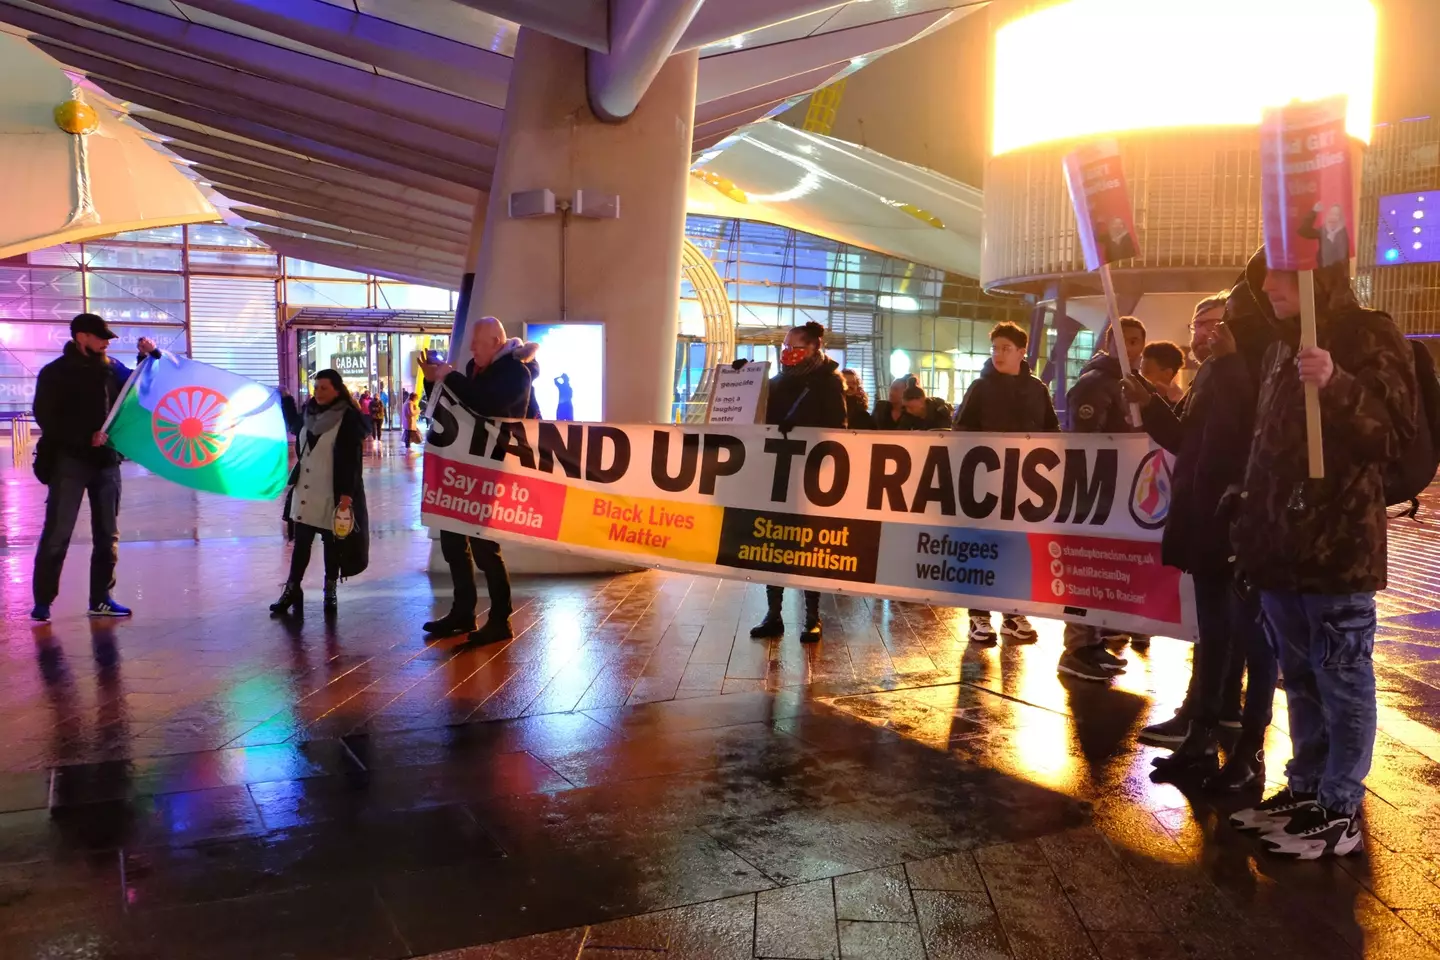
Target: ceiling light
897,301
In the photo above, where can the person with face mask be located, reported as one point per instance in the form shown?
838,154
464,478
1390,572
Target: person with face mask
73,397
1316,548
329,448
808,392
497,382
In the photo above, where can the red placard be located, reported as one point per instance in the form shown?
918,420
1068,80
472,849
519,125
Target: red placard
1307,193
1102,203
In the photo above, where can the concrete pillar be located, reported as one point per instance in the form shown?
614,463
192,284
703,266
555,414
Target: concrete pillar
624,273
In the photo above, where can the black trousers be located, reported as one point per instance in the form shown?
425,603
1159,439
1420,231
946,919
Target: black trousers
300,557
773,596
73,481
1231,641
464,554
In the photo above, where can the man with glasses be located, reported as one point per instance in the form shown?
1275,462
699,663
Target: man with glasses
1007,398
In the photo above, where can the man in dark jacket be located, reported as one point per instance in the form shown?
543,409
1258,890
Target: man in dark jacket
923,412
73,397
496,383
1006,398
1316,549
1095,404
808,392
1208,433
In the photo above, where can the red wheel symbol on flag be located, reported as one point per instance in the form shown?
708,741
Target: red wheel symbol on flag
190,426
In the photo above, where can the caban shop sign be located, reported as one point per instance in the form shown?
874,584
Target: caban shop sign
351,364
978,481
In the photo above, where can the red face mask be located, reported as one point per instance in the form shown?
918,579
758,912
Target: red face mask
791,356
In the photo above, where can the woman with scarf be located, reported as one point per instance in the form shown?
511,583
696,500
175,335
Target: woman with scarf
329,447
808,392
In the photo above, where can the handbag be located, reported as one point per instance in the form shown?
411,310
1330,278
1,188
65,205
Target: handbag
344,522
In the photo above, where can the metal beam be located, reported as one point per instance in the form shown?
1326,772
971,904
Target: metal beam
405,248
472,72
724,126
186,78
305,190
731,18
643,34
365,221
258,138
314,140
396,98
769,94
232,154
581,22
354,258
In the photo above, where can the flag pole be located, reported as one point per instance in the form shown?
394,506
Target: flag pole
124,391
1309,337
1112,307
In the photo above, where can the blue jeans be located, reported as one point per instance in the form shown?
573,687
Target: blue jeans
1325,642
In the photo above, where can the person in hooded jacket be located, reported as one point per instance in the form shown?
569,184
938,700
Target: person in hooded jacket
1095,404
1316,548
497,382
808,392
1006,398
1208,433
526,354
329,447
924,412
73,397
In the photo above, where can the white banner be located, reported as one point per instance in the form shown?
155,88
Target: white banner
1055,525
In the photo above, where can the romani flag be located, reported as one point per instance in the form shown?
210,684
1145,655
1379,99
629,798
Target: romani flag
203,427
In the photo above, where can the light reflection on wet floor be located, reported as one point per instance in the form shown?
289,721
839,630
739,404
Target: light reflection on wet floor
633,772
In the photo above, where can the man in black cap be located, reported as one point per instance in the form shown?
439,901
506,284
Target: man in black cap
73,397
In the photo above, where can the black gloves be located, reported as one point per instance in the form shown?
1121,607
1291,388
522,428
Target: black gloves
739,363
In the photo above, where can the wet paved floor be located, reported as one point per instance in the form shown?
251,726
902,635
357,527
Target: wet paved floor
632,776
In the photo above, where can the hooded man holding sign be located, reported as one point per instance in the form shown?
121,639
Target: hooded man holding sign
1316,548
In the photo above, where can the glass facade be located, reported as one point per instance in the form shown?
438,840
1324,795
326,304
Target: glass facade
887,317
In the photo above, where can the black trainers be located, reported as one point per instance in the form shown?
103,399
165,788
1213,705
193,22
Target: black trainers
1193,762
1018,629
771,626
492,632
813,630
40,613
1090,663
1166,733
1245,765
450,625
1314,832
1274,812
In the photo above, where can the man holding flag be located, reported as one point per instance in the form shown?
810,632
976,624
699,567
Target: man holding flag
73,397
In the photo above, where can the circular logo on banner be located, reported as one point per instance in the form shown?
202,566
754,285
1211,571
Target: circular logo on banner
1150,491
189,426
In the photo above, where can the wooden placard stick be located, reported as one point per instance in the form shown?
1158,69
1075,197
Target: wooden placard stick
1309,337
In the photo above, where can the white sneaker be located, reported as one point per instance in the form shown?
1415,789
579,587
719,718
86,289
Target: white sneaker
981,631
1018,629
1314,832
1272,813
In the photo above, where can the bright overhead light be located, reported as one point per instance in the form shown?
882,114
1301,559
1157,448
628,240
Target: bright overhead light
899,364
897,301
1148,49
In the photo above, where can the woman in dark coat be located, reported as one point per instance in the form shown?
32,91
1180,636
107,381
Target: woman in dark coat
808,392
329,447
857,403
890,414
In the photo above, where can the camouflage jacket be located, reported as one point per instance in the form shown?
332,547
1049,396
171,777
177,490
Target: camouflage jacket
1326,536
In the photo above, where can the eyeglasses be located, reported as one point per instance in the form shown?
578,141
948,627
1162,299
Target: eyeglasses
1194,324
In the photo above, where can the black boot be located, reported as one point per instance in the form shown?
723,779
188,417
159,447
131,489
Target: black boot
451,624
291,597
1244,766
812,629
773,625
331,603
494,630
1195,760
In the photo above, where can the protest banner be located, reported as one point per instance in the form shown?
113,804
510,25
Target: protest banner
1096,180
1307,202
739,393
1056,525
